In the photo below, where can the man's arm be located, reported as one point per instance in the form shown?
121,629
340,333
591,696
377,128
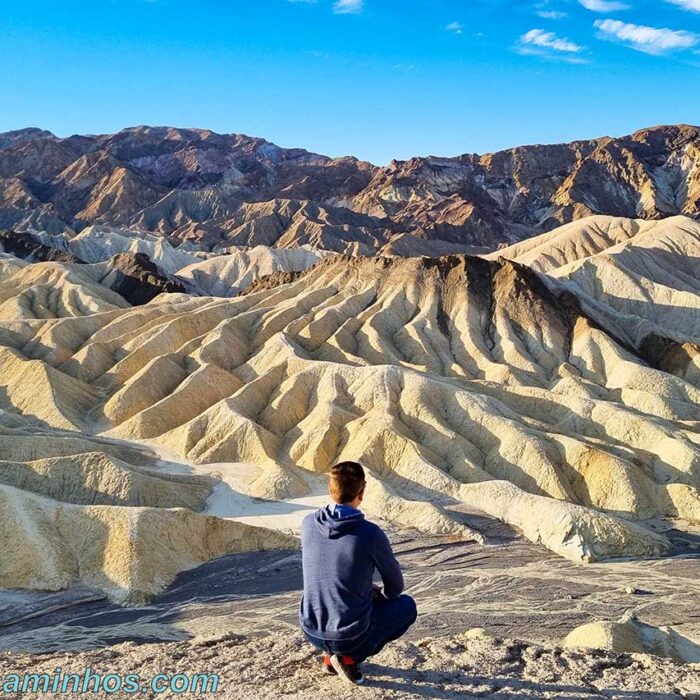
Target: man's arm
387,566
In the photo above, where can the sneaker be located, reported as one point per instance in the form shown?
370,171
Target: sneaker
347,669
327,666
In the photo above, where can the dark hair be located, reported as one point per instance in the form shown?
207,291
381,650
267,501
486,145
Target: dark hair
346,482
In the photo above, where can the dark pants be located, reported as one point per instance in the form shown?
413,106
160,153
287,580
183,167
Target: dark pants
390,620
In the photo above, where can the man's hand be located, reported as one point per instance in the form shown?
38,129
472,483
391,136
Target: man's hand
377,591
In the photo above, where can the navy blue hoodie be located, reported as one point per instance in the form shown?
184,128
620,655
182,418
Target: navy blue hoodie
340,552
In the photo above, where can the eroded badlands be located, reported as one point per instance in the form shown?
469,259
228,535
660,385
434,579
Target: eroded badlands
553,387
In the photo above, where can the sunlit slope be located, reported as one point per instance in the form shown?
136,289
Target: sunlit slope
226,275
639,279
128,552
51,290
575,241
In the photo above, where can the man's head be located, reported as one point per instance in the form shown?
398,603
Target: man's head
347,483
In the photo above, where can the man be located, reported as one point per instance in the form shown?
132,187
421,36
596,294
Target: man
343,613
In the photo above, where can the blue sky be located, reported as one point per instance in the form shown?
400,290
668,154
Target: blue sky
379,79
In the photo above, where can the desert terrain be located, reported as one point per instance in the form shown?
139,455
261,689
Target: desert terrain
174,388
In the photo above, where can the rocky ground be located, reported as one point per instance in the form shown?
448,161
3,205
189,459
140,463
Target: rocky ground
236,616
470,665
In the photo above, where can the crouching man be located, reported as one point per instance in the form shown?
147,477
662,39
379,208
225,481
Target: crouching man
343,613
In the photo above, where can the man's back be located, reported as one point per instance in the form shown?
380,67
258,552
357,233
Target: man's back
340,551
341,613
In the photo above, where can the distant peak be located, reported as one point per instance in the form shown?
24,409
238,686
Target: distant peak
8,139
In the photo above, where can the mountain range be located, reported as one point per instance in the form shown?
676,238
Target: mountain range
226,190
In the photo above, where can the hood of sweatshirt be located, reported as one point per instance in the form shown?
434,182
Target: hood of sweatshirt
337,520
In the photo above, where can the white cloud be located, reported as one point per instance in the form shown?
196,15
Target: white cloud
551,14
604,5
647,39
692,5
549,40
348,7
454,27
